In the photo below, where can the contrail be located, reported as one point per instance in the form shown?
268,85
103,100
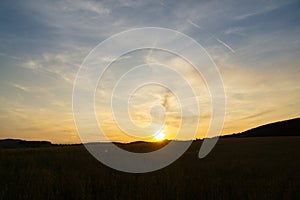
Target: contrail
226,45
220,41
192,23
199,27
164,4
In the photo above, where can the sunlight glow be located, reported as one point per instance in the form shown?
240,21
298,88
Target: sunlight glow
159,135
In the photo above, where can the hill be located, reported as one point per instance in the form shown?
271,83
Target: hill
283,128
15,143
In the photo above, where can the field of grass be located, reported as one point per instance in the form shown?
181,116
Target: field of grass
237,168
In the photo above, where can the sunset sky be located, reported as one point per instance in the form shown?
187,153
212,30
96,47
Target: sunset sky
255,45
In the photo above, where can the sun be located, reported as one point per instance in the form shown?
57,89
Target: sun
159,135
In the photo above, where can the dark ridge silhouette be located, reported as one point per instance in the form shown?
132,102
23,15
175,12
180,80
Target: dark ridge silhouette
283,128
142,146
17,143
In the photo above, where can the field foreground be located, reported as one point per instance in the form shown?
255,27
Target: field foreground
237,168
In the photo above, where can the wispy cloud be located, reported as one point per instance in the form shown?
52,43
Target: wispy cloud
26,89
87,5
235,30
61,65
10,56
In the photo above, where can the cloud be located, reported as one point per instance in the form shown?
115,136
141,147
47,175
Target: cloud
257,115
165,100
62,65
10,56
31,64
235,30
21,87
85,5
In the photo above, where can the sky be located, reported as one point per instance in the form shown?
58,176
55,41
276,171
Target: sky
254,44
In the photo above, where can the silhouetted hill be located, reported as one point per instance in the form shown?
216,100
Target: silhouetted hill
15,143
283,128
